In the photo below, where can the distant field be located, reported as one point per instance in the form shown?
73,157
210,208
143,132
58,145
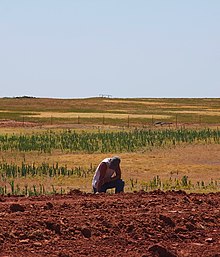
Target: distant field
110,111
186,156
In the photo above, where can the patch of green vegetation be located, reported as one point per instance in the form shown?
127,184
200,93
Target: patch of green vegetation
183,183
106,142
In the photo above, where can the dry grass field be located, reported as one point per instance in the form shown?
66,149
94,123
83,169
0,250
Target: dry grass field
199,162
110,111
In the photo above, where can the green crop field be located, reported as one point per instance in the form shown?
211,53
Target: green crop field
54,145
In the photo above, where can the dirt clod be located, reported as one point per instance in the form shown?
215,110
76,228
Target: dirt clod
86,232
161,251
48,206
16,207
167,220
53,227
63,255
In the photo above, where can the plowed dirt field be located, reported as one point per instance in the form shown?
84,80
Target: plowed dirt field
130,224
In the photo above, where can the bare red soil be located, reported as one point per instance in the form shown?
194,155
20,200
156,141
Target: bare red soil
13,123
131,224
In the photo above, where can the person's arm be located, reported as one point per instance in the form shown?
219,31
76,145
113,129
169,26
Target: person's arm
117,174
103,168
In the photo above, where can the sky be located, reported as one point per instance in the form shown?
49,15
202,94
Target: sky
121,48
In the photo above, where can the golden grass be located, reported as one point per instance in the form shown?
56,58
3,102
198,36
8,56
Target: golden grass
164,104
116,109
205,112
96,115
198,162
134,102
45,104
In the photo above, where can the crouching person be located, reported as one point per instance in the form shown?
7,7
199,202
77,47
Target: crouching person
107,176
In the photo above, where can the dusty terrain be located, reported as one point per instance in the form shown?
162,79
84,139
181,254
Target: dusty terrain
130,224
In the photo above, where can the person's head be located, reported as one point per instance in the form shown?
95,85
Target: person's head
114,162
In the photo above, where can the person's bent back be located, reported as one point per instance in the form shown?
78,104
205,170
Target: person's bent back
108,175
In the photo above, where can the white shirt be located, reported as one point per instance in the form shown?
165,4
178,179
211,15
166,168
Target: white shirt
108,174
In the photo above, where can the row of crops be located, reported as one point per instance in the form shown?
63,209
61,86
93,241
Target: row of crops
9,186
12,173
91,142
183,183
12,170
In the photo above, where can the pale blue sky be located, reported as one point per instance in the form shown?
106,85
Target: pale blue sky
124,48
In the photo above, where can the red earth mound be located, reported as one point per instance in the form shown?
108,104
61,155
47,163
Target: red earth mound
130,224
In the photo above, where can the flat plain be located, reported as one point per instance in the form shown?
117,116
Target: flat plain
169,149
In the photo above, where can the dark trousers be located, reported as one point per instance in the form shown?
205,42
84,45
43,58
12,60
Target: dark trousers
118,184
